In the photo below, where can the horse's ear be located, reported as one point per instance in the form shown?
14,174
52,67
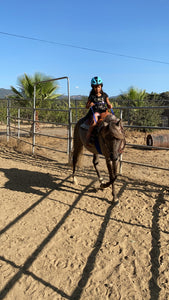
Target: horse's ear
105,124
118,122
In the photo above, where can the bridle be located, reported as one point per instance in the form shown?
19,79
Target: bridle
121,146
121,149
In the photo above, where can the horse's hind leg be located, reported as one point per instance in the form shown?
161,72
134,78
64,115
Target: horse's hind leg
95,163
74,168
77,152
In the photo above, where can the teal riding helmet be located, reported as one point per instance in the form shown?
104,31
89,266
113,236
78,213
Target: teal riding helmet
96,81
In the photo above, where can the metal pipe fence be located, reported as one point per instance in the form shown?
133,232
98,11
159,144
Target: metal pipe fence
121,109
15,118
34,122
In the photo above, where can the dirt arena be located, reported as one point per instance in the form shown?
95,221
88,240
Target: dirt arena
60,241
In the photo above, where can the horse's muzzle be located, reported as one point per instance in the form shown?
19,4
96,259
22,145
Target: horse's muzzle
113,157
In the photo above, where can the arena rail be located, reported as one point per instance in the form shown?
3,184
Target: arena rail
12,119
14,124
121,109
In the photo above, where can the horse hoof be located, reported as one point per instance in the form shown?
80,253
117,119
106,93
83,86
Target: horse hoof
102,186
101,183
114,203
75,181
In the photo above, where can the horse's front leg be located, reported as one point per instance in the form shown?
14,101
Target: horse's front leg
112,169
95,163
114,176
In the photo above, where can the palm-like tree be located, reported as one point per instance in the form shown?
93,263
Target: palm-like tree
141,117
135,96
25,89
24,93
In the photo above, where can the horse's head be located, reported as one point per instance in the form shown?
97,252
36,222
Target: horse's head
113,137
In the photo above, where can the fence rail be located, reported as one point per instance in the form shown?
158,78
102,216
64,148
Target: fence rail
16,118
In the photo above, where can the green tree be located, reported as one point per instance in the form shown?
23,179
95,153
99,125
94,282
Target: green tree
135,96
141,117
24,92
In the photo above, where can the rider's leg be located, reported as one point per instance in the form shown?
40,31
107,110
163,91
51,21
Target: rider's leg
93,124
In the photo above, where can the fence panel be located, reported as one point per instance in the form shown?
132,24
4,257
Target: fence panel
41,126
119,111
57,123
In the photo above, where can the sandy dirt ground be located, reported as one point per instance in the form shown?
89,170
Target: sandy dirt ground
61,241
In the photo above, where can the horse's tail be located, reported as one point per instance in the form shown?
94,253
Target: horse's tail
77,146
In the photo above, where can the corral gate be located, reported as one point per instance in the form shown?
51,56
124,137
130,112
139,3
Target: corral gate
14,120
69,112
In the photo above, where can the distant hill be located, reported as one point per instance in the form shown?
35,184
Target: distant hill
5,93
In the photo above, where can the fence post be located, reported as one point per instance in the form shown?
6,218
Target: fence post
19,121
70,123
120,167
34,118
76,109
8,121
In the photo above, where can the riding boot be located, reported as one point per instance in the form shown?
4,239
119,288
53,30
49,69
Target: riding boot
89,133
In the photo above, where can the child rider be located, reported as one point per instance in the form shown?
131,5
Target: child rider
98,102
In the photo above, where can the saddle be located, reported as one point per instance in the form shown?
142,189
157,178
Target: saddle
94,135
86,121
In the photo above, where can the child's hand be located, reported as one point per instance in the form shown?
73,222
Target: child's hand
92,104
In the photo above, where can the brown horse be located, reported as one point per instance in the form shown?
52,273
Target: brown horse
109,141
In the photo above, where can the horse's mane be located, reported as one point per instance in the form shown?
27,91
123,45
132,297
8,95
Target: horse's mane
114,125
110,118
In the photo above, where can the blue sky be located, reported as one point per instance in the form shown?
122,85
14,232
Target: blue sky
124,29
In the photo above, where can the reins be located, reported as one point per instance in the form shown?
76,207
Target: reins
121,150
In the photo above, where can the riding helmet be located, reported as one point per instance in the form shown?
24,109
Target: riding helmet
96,81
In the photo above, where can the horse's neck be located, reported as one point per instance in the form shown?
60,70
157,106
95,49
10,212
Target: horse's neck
103,117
